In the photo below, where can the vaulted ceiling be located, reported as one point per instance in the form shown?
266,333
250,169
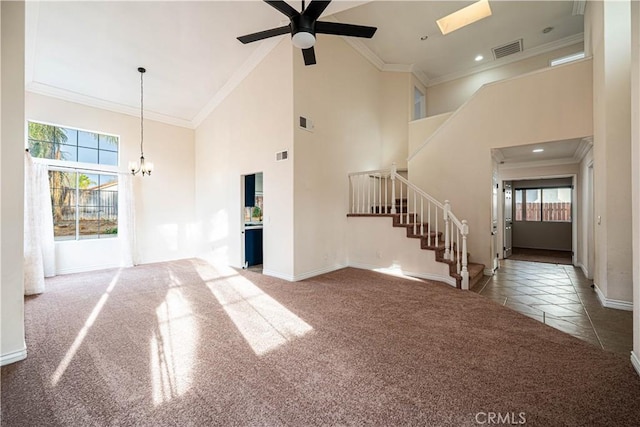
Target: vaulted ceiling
89,51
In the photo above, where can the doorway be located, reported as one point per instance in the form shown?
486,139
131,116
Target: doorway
252,221
539,220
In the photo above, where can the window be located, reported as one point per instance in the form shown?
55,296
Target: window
567,59
543,204
419,106
84,199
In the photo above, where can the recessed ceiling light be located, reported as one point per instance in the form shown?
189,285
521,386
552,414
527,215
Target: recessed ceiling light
423,38
547,30
465,16
538,150
479,58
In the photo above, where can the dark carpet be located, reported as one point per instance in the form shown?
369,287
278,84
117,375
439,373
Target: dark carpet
184,344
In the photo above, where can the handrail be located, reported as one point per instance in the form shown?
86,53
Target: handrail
375,192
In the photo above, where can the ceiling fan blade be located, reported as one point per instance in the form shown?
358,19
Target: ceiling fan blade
283,7
264,34
315,9
339,29
309,56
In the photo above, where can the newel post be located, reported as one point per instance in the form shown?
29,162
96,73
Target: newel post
394,170
447,237
464,272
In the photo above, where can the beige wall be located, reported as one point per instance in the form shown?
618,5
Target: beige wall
609,24
164,202
548,105
241,137
12,344
635,177
342,94
449,96
395,91
421,130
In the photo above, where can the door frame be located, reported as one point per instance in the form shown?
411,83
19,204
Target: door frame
574,208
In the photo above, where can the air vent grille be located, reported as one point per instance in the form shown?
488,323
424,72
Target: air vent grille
282,155
507,49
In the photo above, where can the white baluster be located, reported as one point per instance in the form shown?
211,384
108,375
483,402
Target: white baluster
421,216
401,216
429,224
353,195
465,272
435,236
447,240
393,188
458,251
408,200
368,193
386,192
415,216
364,196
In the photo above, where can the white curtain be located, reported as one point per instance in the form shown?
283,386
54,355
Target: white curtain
126,220
39,248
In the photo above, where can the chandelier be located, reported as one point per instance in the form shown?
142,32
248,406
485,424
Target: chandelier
141,165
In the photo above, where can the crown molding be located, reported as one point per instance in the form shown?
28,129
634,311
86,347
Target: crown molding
363,50
528,53
247,67
67,95
583,148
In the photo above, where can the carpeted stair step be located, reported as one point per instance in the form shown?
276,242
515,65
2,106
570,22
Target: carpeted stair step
476,271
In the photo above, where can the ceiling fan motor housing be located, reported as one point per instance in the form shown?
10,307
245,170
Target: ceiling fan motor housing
303,30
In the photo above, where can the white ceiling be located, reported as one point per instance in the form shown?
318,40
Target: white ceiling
90,51
570,150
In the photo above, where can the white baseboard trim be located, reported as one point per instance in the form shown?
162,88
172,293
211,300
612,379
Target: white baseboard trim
612,303
635,361
278,275
584,269
87,268
14,356
428,276
303,276
318,272
488,272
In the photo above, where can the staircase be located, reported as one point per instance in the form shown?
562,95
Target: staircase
375,194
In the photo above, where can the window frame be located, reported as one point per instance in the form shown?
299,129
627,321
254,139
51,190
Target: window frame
541,190
79,168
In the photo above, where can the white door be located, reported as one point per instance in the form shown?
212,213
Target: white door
494,221
508,218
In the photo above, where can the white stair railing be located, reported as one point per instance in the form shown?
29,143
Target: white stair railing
385,192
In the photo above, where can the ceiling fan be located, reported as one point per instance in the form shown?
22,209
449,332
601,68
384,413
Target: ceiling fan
304,26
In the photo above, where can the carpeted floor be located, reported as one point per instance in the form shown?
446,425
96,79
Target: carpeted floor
183,344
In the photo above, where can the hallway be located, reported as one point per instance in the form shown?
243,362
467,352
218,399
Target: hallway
561,297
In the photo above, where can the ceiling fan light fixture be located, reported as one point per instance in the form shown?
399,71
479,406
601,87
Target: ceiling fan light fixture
303,40
465,16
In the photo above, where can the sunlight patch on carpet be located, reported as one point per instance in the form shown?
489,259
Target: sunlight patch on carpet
172,348
263,322
68,357
396,270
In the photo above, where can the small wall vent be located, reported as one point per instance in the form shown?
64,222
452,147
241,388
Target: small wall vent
507,49
305,123
282,155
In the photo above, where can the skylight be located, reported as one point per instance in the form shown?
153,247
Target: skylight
465,16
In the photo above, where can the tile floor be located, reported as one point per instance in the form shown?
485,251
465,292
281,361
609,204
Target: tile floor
561,297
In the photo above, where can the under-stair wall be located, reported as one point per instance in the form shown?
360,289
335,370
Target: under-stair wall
455,163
